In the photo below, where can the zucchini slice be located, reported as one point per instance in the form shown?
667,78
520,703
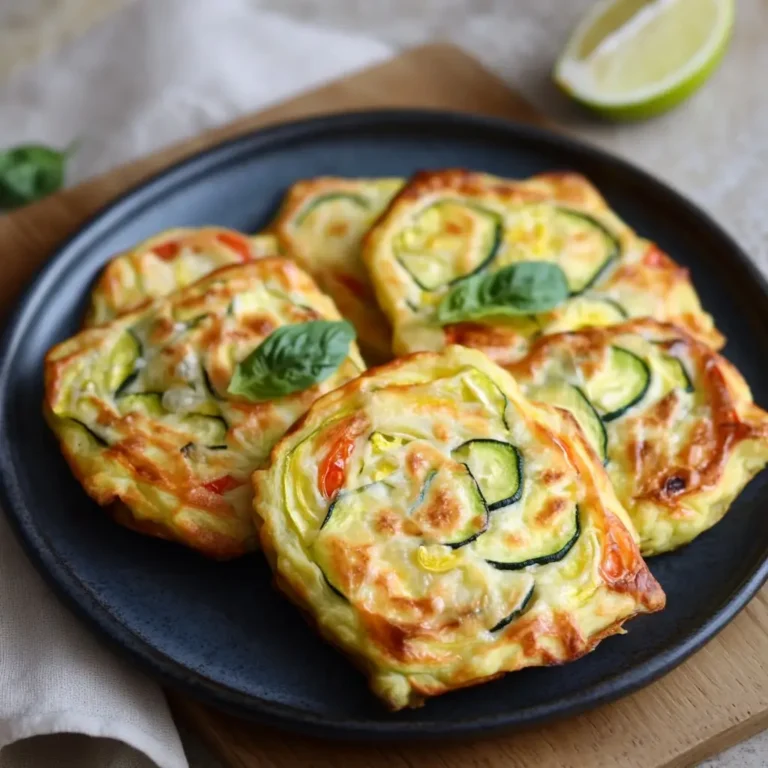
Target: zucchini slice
573,399
121,372
88,432
497,468
350,505
449,510
303,498
674,374
192,450
149,403
620,384
554,545
333,589
447,242
476,386
587,312
346,514
517,613
210,431
589,249
359,201
453,488
209,384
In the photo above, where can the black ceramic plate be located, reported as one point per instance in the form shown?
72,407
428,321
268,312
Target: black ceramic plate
220,631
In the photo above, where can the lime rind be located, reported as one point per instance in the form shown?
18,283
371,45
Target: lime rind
573,77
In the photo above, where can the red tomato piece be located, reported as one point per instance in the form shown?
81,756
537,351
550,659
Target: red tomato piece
237,243
166,251
333,467
222,484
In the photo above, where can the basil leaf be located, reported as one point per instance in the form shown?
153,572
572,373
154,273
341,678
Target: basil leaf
524,288
30,172
292,358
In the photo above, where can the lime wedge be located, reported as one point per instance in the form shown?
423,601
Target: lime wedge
631,59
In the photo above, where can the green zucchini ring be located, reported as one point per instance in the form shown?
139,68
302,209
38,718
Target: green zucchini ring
681,433
517,613
572,398
552,551
584,274
123,360
406,494
143,412
497,468
674,370
437,258
621,384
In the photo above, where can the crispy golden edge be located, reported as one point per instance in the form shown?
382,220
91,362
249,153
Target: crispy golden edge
107,302
123,502
623,570
372,324
734,418
123,506
567,188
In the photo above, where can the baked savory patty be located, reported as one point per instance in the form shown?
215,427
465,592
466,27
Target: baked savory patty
447,227
443,530
673,421
321,224
167,262
142,411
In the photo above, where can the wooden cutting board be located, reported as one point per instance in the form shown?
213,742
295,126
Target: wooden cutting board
715,699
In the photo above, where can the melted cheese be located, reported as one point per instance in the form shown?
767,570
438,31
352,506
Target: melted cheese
167,262
382,534
677,458
447,225
141,409
321,223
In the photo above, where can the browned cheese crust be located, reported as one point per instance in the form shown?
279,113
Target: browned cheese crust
142,413
167,262
445,226
680,455
373,527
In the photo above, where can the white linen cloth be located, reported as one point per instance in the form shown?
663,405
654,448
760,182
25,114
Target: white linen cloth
155,72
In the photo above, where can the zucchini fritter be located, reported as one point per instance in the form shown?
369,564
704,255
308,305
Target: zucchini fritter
673,420
321,224
167,262
446,226
141,409
444,530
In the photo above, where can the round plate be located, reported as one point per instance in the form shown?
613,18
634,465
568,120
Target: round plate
220,631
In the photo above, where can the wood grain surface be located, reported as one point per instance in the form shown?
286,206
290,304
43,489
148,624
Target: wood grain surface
715,699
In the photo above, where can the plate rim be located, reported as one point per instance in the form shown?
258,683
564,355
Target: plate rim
75,594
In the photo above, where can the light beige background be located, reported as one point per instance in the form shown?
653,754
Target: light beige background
714,148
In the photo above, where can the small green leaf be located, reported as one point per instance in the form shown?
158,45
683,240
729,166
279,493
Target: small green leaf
29,173
524,288
292,358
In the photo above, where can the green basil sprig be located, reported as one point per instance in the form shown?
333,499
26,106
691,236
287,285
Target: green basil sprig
30,172
524,288
292,358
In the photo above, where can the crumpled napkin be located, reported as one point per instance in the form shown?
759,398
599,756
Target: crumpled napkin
155,72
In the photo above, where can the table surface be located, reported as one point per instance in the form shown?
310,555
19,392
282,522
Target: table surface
714,148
